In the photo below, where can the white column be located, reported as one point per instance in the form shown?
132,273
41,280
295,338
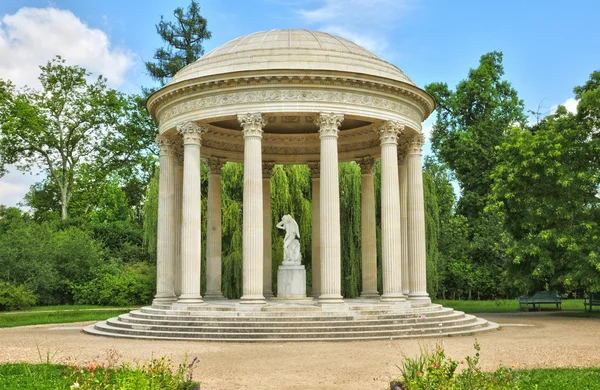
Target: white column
165,241
402,179
177,211
213,230
416,222
315,171
330,210
267,170
190,216
252,125
367,225
390,213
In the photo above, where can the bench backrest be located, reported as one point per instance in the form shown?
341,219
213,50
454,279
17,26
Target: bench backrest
546,294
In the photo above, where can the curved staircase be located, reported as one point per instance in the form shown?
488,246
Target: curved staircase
290,321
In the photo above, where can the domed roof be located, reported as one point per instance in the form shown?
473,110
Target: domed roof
290,50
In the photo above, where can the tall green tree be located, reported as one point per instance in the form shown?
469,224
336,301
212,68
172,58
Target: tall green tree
69,123
184,38
471,122
545,188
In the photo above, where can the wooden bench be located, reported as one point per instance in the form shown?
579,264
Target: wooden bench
540,298
592,299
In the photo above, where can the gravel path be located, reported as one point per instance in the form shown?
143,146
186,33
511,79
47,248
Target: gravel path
527,340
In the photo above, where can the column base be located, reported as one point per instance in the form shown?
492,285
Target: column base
370,294
419,299
190,299
268,294
164,300
316,294
214,295
393,297
252,300
331,299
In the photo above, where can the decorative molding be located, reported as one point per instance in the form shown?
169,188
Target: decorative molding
267,169
191,132
389,131
315,170
415,144
289,95
166,145
367,165
411,92
215,164
329,124
252,124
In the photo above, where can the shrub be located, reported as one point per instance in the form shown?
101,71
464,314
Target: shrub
118,285
13,297
433,370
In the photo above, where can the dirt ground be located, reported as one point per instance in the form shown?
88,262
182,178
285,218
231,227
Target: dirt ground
527,340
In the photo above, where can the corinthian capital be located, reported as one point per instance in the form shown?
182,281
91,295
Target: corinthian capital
315,169
415,144
191,132
166,145
367,165
215,165
267,169
389,131
329,124
252,124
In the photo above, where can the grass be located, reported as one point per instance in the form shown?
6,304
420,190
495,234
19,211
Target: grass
154,374
559,378
58,315
503,305
24,376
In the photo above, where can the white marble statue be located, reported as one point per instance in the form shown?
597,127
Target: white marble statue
291,245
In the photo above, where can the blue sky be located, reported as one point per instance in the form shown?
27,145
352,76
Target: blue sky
549,46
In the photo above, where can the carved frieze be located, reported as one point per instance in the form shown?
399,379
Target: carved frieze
289,95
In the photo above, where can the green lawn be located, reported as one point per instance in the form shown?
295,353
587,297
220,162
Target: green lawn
59,314
24,376
503,305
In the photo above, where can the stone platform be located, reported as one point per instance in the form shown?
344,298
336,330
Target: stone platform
358,319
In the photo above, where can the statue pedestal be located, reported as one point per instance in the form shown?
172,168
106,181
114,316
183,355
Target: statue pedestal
291,282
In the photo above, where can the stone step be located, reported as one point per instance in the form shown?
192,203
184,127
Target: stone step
282,316
301,322
478,325
261,328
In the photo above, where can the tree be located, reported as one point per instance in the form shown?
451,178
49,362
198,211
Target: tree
471,121
71,122
544,187
184,39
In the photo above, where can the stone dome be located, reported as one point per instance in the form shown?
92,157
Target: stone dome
304,50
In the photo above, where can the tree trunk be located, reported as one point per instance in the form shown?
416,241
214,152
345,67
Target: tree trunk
64,200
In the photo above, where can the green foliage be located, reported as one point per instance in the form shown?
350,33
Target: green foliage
15,297
70,122
432,369
350,226
471,121
118,285
544,189
184,40
153,374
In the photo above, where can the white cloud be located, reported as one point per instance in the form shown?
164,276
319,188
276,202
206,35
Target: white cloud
570,104
32,36
365,22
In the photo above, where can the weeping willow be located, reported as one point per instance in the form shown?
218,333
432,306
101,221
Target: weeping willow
291,194
432,229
